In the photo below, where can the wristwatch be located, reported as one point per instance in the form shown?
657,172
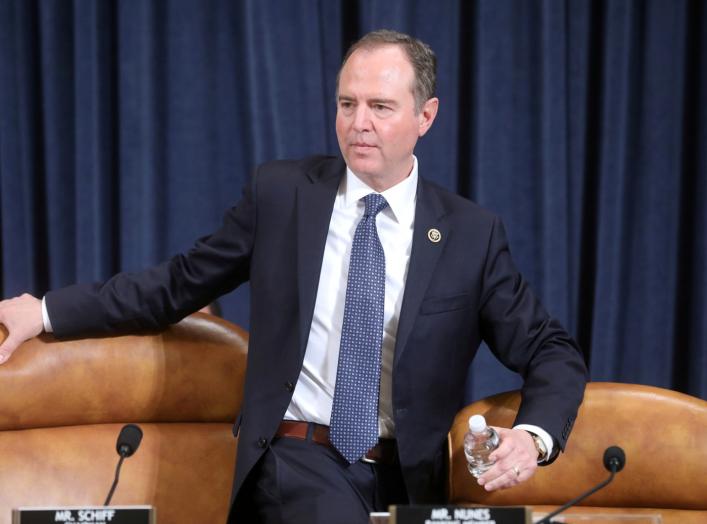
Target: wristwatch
540,446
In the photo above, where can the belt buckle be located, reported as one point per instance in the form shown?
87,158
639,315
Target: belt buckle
369,460
375,455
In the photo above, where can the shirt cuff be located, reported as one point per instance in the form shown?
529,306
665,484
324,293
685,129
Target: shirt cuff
544,435
45,317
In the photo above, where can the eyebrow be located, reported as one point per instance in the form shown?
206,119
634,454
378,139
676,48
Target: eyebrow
386,101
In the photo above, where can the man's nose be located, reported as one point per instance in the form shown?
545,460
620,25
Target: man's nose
362,118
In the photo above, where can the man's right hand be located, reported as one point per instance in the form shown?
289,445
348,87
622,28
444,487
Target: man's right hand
22,317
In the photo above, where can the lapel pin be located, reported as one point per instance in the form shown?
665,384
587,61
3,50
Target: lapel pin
434,235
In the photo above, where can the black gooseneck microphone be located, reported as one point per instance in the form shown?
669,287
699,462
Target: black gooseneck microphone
127,444
614,461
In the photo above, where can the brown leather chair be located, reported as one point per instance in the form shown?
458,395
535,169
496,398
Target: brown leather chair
63,403
663,433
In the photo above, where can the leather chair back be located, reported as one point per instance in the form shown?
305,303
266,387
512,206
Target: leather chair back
664,436
63,403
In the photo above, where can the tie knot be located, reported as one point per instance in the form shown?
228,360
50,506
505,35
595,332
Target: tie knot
375,203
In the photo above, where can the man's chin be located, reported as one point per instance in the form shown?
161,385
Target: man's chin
363,171
363,165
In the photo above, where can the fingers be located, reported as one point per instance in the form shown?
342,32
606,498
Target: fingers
516,460
508,478
7,348
22,320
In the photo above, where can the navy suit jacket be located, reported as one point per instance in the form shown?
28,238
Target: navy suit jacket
459,291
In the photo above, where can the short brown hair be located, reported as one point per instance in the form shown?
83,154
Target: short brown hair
421,56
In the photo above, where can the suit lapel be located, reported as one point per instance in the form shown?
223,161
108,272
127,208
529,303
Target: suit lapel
315,202
429,216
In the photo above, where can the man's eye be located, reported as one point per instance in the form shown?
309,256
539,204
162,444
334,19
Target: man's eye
381,108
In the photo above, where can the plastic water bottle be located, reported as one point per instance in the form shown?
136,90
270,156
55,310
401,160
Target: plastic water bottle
479,442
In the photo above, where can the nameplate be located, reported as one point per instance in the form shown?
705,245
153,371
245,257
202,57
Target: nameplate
85,514
459,515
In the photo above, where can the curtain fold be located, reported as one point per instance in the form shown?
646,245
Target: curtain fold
128,127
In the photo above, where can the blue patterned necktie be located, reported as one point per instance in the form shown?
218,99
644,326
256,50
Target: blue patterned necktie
354,414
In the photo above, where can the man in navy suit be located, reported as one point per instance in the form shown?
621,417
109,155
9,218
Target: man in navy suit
450,283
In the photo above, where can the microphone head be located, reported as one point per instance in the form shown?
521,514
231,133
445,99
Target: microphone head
614,458
128,440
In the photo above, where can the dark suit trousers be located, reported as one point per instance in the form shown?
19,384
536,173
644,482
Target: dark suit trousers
302,482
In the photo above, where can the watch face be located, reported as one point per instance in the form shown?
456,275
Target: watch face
540,446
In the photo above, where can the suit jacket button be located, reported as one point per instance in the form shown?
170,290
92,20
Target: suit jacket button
262,442
289,386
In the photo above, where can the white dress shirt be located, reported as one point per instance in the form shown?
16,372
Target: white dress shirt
314,393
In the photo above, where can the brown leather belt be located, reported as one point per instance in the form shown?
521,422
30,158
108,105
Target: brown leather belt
385,452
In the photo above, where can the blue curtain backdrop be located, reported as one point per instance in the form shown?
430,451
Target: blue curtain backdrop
128,127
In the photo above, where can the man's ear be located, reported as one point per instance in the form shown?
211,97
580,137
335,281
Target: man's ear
427,115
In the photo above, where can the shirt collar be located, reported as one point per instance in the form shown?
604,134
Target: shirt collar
401,197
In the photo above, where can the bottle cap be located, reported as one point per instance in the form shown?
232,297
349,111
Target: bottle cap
477,423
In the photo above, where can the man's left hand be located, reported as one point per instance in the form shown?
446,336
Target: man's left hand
516,460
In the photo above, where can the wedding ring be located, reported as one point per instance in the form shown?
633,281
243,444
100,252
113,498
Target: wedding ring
516,469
